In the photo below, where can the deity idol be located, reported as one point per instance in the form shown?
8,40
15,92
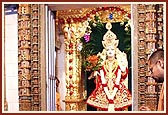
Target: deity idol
111,92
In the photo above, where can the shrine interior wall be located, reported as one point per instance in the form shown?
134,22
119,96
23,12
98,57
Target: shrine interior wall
11,62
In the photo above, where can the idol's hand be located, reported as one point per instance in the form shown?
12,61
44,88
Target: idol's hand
122,61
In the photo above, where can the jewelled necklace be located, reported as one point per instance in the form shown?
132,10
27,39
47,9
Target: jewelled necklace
110,94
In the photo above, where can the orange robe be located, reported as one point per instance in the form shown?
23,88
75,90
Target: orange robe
161,99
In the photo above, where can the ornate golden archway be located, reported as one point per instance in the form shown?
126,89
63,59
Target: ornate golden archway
73,23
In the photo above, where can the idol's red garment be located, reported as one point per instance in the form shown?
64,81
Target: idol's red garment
98,97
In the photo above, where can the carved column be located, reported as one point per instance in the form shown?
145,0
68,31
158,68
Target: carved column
29,57
74,96
24,54
35,58
150,34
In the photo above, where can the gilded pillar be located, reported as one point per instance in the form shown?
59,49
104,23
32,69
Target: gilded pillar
74,96
29,57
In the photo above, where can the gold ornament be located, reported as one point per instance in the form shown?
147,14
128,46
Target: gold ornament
109,39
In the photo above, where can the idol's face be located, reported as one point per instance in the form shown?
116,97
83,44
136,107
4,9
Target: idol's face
110,51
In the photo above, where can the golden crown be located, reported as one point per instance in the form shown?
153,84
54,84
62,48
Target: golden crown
109,38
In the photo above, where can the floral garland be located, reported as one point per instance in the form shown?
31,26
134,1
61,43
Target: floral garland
70,19
87,45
